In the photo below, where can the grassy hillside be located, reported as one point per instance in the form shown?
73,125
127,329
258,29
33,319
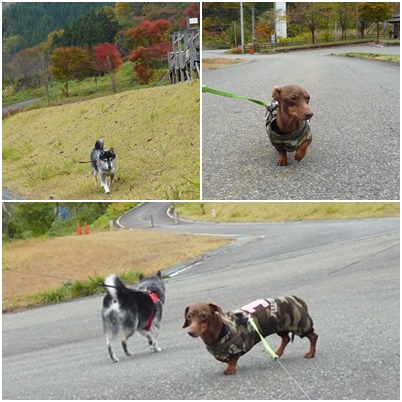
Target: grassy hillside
155,133
285,211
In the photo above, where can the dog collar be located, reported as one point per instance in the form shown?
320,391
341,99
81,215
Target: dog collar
237,340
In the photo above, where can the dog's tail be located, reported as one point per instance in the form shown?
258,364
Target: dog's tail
114,286
99,144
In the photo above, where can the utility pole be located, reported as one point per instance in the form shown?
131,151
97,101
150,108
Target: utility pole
242,27
253,28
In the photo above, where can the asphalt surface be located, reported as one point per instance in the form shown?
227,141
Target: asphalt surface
347,271
19,105
355,153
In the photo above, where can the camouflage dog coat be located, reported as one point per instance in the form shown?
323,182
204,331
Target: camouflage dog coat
290,141
279,315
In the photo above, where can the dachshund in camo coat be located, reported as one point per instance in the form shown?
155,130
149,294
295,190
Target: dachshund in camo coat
230,335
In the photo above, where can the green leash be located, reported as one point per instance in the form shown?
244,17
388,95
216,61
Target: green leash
275,356
263,340
231,95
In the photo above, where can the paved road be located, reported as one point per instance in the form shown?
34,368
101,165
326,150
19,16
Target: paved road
355,149
19,105
348,271
9,196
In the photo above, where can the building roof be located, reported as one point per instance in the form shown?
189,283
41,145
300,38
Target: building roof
395,19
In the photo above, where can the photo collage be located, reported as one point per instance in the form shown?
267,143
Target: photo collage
207,175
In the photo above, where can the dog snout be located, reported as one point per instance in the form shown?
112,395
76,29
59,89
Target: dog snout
192,334
309,114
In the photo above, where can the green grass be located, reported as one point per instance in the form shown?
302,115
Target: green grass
285,211
372,56
75,289
155,132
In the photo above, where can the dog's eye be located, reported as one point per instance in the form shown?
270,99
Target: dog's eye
293,98
203,317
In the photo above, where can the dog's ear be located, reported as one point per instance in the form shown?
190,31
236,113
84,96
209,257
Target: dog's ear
215,308
111,150
186,322
159,274
276,93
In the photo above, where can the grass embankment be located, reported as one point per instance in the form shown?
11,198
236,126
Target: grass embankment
209,64
280,211
372,56
154,131
51,270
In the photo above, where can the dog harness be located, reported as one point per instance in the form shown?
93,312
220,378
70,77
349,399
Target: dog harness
155,299
290,141
279,315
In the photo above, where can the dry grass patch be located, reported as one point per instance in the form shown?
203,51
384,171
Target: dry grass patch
34,266
208,64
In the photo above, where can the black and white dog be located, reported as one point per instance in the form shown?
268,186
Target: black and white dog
128,309
103,161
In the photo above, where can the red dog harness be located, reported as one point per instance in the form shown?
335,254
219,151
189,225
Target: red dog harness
155,299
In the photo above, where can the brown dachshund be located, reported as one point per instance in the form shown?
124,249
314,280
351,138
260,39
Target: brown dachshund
289,130
230,335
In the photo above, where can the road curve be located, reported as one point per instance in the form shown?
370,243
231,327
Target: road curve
347,271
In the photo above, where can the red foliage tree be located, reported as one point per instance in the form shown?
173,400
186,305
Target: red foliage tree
148,33
148,59
108,60
193,11
150,43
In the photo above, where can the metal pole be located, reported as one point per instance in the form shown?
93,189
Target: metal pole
253,27
242,27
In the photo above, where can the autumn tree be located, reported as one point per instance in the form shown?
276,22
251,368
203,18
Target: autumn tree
150,44
375,12
148,33
72,63
108,60
346,15
193,11
313,15
147,60
25,65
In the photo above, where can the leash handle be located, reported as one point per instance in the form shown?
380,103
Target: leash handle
263,340
232,95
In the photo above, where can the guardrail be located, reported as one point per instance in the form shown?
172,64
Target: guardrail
272,47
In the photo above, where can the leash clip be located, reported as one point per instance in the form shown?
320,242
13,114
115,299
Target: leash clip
271,111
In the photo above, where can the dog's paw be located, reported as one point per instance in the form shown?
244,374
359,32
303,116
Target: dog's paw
156,349
282,162
300,155
230,371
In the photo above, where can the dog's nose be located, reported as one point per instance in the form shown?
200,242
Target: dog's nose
309,115
192,334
